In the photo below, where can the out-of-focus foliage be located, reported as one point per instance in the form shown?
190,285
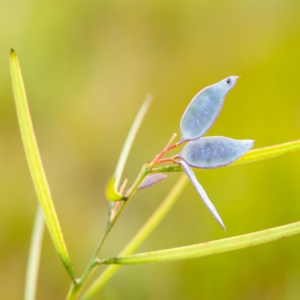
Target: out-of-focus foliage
87,67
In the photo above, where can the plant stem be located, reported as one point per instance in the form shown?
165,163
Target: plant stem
77,286
143,233
167,148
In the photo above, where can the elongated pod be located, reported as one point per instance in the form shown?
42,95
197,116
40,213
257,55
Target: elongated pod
204,109
214,151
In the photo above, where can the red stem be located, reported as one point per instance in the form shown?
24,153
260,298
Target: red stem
167,148
165,160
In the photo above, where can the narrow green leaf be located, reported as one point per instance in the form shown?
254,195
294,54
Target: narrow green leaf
34,255
209,248
114,183
268,152
251,156
143,233
35,163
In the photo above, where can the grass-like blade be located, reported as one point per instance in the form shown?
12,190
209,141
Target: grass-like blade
209,248
268,152
35,163
112,193
34,255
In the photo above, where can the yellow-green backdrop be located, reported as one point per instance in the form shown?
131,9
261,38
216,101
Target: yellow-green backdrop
87,66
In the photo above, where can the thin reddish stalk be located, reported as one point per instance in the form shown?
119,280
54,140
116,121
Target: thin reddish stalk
167,148
165,160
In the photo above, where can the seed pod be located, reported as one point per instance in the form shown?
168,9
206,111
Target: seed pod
214,151
204,109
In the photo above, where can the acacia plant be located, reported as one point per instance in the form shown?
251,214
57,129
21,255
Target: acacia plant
198,152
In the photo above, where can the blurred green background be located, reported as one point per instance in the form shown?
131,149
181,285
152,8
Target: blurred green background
87,66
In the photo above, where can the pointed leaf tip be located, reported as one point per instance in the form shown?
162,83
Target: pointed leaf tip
13,54
204,109
214,151
201,192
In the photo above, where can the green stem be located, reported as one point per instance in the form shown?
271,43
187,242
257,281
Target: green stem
143,233
93,264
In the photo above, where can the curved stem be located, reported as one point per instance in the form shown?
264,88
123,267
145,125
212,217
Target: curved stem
77,286
143,233
163,160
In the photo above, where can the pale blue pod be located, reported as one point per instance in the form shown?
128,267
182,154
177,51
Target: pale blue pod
152,179
214,151
201,192
204,109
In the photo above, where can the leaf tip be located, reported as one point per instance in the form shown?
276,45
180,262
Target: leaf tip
13,52
148,100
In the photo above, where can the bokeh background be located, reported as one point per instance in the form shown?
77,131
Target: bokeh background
87,66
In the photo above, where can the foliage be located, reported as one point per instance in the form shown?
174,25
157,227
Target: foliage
199,152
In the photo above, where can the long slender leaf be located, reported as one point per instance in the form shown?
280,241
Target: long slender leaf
114,196
268,152
34,255
112,193
35,163
209,248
